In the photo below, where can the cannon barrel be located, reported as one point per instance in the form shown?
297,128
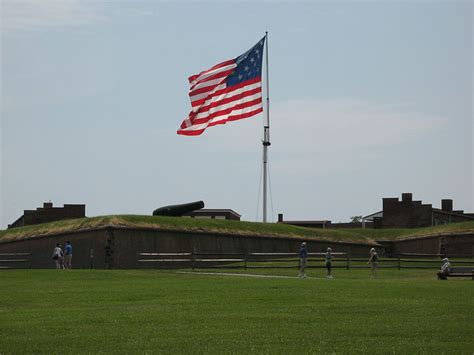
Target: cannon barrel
178,210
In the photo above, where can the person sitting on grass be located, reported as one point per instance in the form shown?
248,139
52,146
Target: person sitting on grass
303,257
445,269
328,261
373,257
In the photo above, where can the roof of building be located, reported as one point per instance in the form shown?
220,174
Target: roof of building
370,217
454,213
306,222
214,210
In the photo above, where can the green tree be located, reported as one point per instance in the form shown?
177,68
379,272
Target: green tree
356,219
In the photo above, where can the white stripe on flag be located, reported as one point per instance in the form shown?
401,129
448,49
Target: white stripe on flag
215,109
210,73
198,127
206,94
228,95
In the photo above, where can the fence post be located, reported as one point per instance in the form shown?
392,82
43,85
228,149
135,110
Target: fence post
193,258
399,267
245,261
347,261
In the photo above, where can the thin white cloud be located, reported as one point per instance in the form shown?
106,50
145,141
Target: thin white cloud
41,14
339,123
326,131
351,123
330,131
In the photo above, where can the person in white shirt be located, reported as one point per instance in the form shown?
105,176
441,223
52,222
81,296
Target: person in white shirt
328,262
373,258
58,256
445,269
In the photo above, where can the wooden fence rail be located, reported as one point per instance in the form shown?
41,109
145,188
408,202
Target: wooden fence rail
15,260
236,260
287,261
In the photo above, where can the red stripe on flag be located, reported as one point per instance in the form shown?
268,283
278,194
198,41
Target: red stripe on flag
212,77
229,99
226,90
231,118
217,66
227,111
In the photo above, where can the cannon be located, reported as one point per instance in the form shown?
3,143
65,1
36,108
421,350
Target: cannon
178,210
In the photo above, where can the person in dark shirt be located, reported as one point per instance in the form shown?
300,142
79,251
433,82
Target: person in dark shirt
303,254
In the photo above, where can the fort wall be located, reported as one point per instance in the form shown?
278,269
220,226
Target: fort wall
114,247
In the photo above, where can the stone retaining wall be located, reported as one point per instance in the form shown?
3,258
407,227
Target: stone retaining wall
114,247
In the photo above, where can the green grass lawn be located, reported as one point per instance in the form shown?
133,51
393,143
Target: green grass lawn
147,311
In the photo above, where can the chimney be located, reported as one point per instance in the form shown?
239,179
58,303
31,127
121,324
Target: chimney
447,205
280,217
48,205
407,197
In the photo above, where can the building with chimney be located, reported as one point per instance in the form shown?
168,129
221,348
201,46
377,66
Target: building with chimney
48,213
407,213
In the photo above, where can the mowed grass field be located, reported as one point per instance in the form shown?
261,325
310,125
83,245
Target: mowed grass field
148,311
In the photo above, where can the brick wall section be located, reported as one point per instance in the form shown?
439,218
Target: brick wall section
460,245
441,217
41,248
406,213
118,247
48,213
413,214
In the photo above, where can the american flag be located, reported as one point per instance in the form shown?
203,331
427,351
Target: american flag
229,91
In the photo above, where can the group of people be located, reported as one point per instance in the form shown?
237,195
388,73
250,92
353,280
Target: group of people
63,258
303,254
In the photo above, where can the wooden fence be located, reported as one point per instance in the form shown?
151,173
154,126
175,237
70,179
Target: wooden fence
15,261
236,260
288,261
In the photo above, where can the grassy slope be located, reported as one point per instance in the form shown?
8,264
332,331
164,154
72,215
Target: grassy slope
232,227
92,311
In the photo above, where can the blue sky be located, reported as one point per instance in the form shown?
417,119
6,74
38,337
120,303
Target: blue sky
368,100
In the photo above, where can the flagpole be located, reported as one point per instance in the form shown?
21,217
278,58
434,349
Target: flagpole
266,136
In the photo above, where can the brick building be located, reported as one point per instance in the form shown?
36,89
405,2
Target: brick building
206,213
406,213
323,224
48,213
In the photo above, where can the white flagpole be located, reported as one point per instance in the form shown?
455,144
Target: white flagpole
266,136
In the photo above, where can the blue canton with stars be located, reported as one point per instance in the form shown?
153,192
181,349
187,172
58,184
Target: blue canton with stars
249,65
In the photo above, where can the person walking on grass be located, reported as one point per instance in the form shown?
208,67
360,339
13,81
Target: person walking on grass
68,255
303,254
58,256
373,258
328,262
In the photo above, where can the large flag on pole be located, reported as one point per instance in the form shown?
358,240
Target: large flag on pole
229,91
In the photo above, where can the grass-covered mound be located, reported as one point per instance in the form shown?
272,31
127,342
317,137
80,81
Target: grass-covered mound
239,228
